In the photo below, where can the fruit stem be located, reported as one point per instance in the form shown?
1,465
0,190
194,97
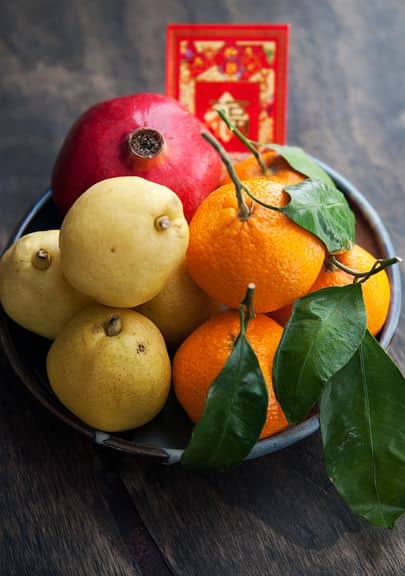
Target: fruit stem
41,260
162,223
265,145
360,277
248,143
113,326
244,211
246,309
145,143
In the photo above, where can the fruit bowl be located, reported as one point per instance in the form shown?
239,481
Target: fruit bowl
167,435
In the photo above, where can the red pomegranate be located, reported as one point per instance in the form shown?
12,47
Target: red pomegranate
147,135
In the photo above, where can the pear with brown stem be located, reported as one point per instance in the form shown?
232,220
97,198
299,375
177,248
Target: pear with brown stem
110,367
33,291
121,240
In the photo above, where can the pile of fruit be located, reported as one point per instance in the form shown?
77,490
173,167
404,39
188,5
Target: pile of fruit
245,291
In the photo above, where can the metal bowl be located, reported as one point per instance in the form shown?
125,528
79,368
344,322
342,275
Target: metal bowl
167,435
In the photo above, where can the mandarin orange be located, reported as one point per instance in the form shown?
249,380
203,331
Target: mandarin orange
376,290
201,357
226,252
277,168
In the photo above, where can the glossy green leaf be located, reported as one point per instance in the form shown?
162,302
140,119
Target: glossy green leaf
325,330
322,210
234,413
298,159
362,413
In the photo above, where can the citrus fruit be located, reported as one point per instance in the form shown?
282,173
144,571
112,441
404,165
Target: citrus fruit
203,354
226,252
376,289
179,307
121,240
110,367
277,168
33,291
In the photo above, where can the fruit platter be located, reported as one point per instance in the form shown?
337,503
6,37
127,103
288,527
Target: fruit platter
167,301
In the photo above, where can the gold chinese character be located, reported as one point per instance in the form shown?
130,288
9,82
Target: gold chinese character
235,112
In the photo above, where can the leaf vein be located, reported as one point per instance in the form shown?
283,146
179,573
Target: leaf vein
230,405
370,428
314,341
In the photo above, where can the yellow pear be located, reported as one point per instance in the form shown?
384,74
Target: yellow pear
110,367
179,307
121,240
33,291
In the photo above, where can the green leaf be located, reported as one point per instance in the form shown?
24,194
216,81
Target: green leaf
300,161
325,330
234,413
322,210
362,415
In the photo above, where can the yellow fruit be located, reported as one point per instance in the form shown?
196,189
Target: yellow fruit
180,307
110,367
33,290
121,240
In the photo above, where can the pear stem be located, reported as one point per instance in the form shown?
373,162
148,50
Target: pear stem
113,326
162,223
259,158
41,260
360,277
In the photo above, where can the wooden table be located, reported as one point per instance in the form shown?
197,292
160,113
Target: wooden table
68,508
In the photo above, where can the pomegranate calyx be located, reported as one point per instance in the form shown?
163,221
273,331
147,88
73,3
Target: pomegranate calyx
145,143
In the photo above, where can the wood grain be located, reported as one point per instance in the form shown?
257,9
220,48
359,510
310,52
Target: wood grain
66,508
55,518
276,515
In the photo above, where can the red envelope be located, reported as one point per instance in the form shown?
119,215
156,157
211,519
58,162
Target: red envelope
239,68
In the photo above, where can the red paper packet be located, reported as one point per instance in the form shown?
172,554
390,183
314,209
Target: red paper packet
240,68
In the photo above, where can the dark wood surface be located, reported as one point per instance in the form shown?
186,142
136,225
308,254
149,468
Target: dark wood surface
69,508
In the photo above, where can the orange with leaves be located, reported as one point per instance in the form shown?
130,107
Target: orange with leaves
204,353
234,241
376,289
277,168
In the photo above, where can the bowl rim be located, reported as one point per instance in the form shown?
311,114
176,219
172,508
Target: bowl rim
274,443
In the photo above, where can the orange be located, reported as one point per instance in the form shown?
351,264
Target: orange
277,168
225,253
203,354
376,290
